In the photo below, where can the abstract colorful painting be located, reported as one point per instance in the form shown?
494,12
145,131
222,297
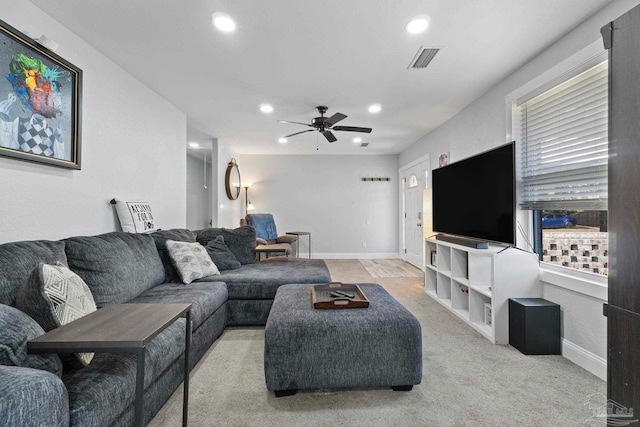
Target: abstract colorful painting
40,102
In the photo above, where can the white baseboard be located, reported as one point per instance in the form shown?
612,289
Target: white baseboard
354,255
585,359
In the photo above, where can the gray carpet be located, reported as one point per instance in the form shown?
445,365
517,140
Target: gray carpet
467,380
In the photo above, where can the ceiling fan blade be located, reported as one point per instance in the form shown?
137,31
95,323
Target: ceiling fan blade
335,119
330,137
294,123
298,133
352,129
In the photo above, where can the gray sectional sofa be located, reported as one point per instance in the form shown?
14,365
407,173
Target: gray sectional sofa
128,268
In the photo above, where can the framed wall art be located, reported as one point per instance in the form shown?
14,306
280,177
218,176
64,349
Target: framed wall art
40,102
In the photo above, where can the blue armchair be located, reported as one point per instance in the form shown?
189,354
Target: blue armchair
267,235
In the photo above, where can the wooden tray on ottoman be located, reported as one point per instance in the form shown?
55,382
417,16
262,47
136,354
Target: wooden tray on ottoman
321,298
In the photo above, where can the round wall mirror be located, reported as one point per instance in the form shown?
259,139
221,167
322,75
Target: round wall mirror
232,180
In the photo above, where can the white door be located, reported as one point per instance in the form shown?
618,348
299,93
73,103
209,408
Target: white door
411,181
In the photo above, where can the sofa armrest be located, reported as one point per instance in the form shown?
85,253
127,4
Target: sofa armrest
289,238
31,397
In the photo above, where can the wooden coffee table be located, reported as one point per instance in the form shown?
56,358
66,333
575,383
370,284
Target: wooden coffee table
120,328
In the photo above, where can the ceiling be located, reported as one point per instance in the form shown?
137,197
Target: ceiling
297,54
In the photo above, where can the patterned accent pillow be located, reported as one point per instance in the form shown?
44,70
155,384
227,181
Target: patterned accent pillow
191,261
54,296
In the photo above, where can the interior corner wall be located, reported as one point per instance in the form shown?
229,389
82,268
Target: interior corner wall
133,148
228,211
324,195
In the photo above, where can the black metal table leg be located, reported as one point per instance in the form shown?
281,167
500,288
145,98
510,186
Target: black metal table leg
187,345
139,405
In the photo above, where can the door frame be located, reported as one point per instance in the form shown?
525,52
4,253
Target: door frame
425,160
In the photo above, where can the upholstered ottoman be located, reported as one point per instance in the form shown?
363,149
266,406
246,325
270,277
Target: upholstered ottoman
308,348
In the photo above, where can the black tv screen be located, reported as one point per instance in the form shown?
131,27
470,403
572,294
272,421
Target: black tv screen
475,197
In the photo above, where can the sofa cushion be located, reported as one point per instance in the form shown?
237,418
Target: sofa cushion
241,241
204,297
160,238
116,266
262,280
54,296
17,261
16,329
220,254
191,261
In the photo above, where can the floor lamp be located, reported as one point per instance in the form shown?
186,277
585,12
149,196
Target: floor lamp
248,206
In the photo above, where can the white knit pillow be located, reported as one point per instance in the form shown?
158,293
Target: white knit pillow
191,260
135,217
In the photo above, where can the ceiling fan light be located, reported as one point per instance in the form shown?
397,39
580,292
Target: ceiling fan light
375,108
223,22
418,25
282,140
266,108
357,140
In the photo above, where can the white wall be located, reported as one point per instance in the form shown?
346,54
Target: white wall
133,147
482,125
198,197
584,328
324,195
228,211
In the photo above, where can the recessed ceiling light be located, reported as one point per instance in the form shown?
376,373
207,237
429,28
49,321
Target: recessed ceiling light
223,22
194,145
282,140
357,139
418,25
266,108
375,108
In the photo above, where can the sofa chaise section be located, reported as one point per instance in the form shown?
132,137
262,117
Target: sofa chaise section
253,287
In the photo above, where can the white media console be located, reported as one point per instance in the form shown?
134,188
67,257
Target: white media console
476,284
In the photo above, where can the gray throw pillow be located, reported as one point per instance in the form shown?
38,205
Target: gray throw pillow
191,261
17,329
221,256
54,296
241,241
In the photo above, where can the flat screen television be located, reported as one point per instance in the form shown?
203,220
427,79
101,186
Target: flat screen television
475,197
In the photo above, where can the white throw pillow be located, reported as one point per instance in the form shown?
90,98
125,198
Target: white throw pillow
191,260
135,217
54,296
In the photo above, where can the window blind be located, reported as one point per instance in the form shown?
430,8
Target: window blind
564,144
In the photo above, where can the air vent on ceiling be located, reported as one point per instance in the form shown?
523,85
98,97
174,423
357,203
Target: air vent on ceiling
423,57
364,144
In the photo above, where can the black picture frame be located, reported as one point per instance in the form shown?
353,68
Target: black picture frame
40,102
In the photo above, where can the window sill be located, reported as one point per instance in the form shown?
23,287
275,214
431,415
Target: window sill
593,285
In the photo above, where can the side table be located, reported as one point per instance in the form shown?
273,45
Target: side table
120,328
302,233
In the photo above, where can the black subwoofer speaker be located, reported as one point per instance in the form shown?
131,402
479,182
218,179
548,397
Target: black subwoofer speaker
534,326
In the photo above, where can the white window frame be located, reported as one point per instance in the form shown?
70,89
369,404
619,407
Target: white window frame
587,283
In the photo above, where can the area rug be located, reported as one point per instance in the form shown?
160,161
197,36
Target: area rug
390,268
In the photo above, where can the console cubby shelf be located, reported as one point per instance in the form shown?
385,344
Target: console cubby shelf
470,282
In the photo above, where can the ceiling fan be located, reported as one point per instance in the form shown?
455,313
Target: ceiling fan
325,125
